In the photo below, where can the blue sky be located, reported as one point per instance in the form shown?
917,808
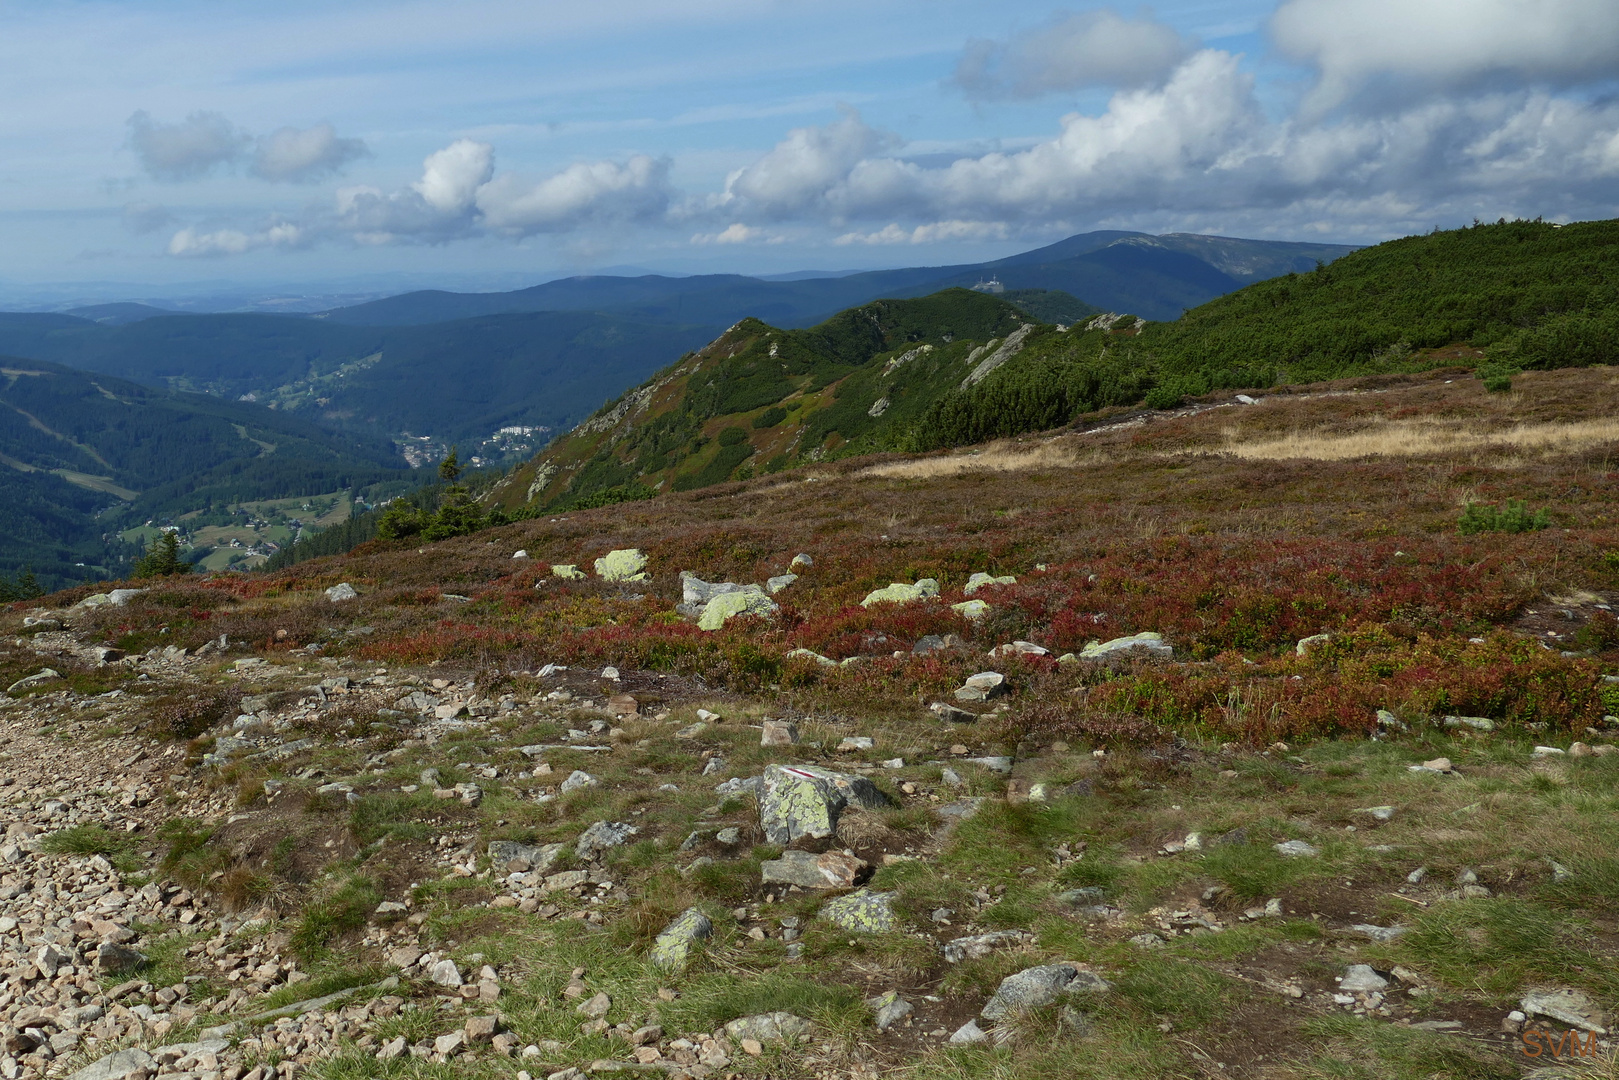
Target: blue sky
159,142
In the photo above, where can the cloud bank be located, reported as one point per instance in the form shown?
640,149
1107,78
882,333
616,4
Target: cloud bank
1413,114
203,141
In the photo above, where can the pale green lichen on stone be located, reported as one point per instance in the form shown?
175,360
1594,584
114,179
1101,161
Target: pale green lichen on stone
672,949
1148,640
979,580
971,609
862,912
901,593
729,605
623,564
567,572
811,654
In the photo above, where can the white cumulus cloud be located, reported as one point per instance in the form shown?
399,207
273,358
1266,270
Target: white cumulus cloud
1071,51
192,243
1357,44
289,154
798,174
931,233
582,193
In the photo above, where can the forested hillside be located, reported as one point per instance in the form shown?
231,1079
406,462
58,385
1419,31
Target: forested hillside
1510,295
84,456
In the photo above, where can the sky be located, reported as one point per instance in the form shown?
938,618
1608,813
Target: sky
174,144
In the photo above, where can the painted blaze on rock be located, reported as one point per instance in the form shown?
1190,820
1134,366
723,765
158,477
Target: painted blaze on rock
623,564
803,800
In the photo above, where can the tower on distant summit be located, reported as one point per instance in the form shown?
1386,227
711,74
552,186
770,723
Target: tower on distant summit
993,285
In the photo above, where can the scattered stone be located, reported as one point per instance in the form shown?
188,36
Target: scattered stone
39,678
889,1009
1149,642
341,592
1477,723
595,1007
978,946
779,733
1042,985
115,959
1380,933
800,560
812,656
1379,813
984,686
576,780
729,605
951,714
1294,849
969,1032
779,582
1306,644
832,870
601,836
1571,1007
672,949
767,1027
803,800
538,857
445,973
622,564
979,580
971,610
1362,979
567,572
851,743
901,593
862,912
1436,765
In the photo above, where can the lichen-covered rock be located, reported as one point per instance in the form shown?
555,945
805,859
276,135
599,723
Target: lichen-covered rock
978,946
538,856
811,655
862,912
978,581
1153,644
750,601
672,949
766,1027
344,591
804,800
780,582
971,610
901,593
801,559
622,564
1036,986
888,1009
832,870
1306,644
601,836
567,572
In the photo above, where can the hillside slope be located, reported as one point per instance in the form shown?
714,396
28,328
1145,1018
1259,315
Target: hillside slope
82,455
1515,295
759,397
453,381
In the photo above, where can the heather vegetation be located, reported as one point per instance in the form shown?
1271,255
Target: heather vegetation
1348,811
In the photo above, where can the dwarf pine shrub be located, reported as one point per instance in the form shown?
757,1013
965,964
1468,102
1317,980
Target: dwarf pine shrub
1513,517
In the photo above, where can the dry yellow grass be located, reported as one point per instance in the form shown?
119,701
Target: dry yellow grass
998,457
1426,438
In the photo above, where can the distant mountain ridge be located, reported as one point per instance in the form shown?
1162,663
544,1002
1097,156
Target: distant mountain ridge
1156,277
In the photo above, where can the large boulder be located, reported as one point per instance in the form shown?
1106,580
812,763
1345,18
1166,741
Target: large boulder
538,856
601,836
672,949
1147,642
832,870
804,800
1036,986
901,593
751,601
978,581
622,564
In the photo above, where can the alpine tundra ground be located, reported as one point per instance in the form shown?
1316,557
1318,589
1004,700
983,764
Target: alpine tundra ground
1351,813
